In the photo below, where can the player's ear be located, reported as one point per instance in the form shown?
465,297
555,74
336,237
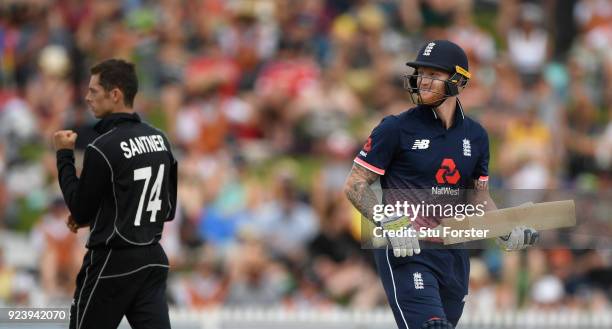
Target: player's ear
116,95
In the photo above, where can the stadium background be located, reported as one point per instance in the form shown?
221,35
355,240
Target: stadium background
266,104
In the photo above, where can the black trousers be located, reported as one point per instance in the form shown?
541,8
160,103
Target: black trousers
113,283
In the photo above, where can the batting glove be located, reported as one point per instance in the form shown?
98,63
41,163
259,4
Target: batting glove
408,243
520,238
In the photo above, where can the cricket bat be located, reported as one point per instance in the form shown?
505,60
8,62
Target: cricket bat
540,216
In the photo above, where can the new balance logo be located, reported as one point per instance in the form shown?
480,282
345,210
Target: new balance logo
420,144
418,281
428,49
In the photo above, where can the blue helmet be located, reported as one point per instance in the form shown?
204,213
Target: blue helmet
442,55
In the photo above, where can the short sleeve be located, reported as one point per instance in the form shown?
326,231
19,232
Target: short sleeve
481,171
378,151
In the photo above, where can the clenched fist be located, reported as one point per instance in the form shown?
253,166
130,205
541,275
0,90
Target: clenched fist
64,139
73,226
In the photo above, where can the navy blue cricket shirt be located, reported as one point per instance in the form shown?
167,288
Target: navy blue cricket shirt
413,150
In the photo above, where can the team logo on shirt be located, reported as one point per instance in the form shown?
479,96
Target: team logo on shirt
418,280
366,147
420,144
448,172
467,148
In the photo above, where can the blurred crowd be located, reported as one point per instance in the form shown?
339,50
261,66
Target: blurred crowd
267,103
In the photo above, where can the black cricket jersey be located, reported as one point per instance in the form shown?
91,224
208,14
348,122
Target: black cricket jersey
127,188
421,161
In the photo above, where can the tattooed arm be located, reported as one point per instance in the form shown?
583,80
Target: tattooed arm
358,191
480,194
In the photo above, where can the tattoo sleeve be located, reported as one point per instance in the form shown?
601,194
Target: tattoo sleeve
481,185
359,192
481,194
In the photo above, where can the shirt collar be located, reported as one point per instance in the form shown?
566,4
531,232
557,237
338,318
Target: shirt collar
113,119
459,115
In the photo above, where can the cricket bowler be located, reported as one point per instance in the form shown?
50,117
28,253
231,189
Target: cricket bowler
125,193
433,145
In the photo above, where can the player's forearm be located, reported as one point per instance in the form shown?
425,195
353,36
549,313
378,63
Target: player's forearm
82,195
480,195
483,197
66,174
362,197
490,203
358,191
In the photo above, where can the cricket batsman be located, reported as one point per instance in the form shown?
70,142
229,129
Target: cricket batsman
431,145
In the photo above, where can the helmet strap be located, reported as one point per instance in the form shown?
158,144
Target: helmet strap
452,86
455,83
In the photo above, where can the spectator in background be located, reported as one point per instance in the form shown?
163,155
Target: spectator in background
309,293
508,89
323,111
206,286
603,149
226,210
290,75
171,240
547,292
6,279
202,123
3,197
49,92
327,183
17,288
285,224
592,14
192,196
528,44
437,15
338,262
580,132
601,137
60,252
482,297
477,43
19,129
254,278
480,49
249,39
526,151
594,18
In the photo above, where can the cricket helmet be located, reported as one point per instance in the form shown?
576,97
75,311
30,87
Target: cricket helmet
442,55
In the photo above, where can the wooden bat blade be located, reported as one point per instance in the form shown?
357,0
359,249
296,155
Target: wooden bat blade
540,216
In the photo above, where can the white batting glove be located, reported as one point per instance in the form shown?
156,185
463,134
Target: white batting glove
406,245
520,238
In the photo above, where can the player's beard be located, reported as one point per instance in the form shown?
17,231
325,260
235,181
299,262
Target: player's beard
436,98
417,97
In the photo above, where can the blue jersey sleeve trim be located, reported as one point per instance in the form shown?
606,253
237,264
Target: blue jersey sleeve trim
369,166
